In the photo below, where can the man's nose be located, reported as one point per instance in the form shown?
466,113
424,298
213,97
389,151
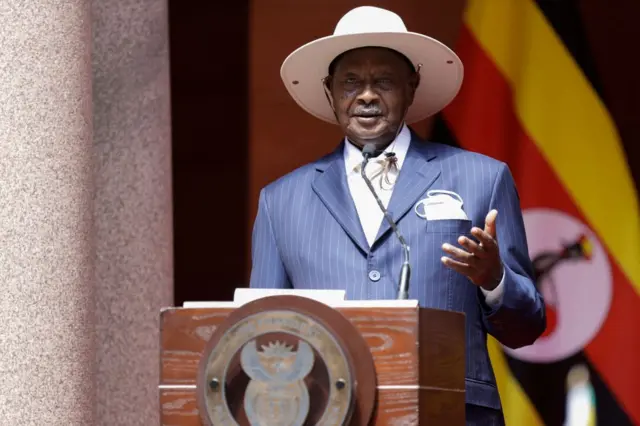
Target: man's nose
368,95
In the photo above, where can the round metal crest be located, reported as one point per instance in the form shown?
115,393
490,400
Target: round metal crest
283,366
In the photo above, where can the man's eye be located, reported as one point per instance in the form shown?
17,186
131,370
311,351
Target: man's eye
351,80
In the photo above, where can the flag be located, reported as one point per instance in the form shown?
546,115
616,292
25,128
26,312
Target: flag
531,99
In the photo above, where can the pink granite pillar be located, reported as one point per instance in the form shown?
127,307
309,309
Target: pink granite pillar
47,339
133,220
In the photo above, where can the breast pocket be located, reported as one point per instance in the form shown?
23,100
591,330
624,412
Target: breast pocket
456,227
455,287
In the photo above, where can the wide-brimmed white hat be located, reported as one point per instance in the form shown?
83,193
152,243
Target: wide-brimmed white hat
441,70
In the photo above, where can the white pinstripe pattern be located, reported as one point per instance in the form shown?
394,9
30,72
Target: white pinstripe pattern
307,235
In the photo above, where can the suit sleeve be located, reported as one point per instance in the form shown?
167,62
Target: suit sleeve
519,317
267,269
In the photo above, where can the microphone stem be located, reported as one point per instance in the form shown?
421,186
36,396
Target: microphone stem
405,270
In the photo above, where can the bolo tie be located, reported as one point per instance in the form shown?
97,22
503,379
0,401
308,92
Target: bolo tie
383,173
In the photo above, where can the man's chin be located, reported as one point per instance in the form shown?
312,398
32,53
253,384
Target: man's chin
378,135
370,124
368,131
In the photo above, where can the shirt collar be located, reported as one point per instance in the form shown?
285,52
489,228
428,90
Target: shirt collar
353,155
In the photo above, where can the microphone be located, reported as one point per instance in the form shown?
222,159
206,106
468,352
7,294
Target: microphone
405,271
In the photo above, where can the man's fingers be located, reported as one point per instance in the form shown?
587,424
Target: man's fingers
460,267
472,247
490,223
487,241
458,253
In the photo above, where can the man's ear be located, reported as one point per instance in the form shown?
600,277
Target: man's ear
328,82
414,82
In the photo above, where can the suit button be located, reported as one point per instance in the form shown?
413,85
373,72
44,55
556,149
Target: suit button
374,275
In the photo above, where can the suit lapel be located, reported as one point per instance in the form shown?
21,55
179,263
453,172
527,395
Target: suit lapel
418,173
332,188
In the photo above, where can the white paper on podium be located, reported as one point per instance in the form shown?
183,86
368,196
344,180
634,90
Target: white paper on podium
333,298
328,297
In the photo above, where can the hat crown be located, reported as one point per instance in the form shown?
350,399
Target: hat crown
369,19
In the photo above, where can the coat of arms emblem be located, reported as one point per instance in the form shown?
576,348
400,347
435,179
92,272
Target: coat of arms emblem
277,394
276,367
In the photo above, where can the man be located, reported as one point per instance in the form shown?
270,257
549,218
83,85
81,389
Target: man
320,227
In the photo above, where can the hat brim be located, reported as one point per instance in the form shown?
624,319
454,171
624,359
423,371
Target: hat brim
440,76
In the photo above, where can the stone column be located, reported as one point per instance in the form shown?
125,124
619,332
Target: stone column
47,345
133,214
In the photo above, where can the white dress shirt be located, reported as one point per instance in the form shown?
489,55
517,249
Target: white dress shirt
369,212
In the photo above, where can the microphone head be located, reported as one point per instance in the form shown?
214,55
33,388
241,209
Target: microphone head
368,150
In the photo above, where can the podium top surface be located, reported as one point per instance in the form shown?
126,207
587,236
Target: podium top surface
332,298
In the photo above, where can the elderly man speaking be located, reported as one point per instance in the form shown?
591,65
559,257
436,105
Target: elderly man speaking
321,226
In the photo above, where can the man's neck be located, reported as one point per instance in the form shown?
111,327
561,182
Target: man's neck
380,145
377,152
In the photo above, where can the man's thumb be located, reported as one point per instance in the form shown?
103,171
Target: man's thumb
490,223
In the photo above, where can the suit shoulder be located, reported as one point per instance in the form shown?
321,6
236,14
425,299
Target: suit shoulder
292,179
457,155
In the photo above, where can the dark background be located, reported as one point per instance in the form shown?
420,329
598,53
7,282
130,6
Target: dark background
209,74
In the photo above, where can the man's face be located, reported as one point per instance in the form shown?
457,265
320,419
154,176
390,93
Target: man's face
371,90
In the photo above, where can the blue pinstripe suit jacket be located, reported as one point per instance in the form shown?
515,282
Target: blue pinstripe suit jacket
307,235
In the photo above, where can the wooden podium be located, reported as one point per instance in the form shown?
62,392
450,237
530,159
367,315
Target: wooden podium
407,363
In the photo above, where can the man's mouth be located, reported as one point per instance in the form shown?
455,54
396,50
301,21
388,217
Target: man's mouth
367,114
367,120
367,117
